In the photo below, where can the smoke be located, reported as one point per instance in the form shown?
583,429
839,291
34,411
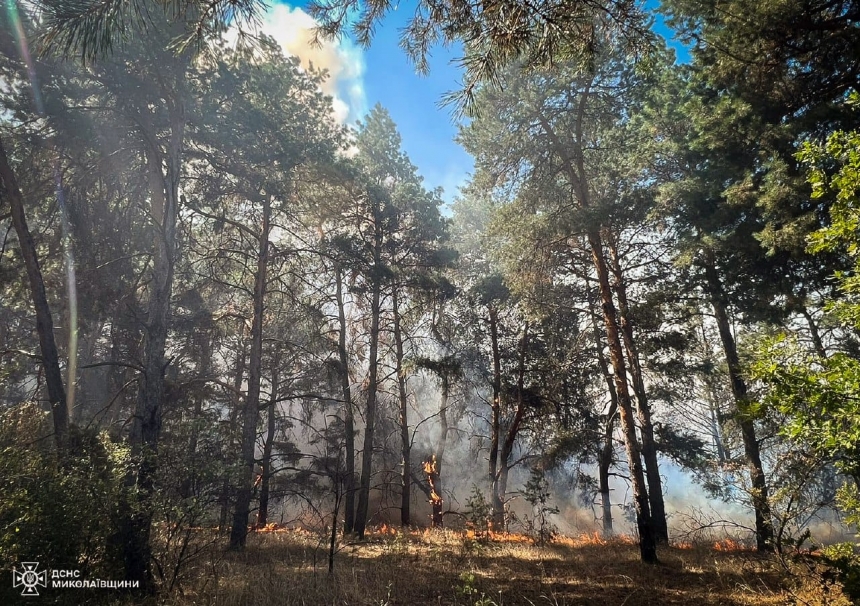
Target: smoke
293,29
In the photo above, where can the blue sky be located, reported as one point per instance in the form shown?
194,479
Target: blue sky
382,74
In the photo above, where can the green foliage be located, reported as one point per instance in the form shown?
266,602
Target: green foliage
470,593
479,512
61,516
536,493
819,396
846,560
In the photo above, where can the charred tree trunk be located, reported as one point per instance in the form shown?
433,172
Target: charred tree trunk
239,531
643,409
348,414
44,321
760,502
266,475
434,495
405,445
439,455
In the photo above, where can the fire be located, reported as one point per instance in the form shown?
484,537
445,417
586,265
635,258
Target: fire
431,470
729,545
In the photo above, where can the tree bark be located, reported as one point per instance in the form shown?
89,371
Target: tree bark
606,455
348,414
759,492
146,425
405,446
500,485
362,509
266,476
495,423
643,409
239,532
238,377
647,543
44,322
439,453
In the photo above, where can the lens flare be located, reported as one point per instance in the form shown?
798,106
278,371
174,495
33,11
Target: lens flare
68,253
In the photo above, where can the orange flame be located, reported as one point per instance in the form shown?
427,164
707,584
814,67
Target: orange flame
729,545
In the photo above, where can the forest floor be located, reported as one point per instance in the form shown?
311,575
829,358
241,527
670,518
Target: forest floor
391,567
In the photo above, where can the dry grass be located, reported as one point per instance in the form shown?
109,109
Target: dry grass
446,567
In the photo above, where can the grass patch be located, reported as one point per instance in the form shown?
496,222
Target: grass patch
447,567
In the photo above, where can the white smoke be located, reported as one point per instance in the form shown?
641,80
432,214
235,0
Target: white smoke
293,29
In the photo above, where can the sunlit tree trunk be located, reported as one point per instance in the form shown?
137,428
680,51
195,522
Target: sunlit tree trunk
647,543
643,409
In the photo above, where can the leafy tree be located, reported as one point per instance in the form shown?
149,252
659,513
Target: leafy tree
819,395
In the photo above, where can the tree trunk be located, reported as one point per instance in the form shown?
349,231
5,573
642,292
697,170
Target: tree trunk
239,532
362,510
146,425
439,454
238,377
760,502
647,543
266,476
646,427
186,489
44,322
606,456
348,415
405,446
495,429
500,486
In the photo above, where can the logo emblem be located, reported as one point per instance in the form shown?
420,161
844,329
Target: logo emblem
29,578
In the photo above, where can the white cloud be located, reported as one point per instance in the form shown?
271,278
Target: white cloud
293,29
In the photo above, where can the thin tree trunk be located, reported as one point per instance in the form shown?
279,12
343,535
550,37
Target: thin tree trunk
439,453
500,486
405,446
239,532
44,322
761,504
187,486
606,455
348,415
495,423
238,377
266,477
643,409
813,331
362,510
